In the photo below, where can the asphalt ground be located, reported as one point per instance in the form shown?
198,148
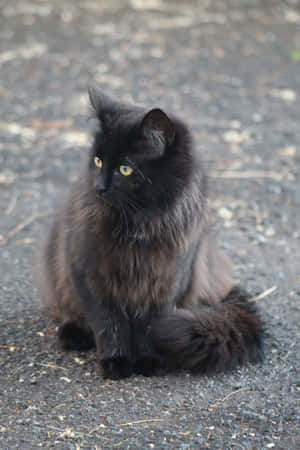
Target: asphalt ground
231,69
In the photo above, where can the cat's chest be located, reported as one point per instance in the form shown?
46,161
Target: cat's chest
137,276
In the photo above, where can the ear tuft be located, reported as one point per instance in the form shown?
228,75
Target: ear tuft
157,123
99,100
93,96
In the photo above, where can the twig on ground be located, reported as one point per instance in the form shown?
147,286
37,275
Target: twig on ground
221,400
53,366
10,347
21,227
234,174
52,125
234,392
11,205
140,421
264,294
97,428
13,374
69,433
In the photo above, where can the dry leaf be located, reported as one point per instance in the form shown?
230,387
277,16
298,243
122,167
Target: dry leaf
66,379
79,361
289,151
219,53
236,137
225,213
57,124
289,95
68,433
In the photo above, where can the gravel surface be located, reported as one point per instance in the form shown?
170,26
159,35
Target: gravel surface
231,68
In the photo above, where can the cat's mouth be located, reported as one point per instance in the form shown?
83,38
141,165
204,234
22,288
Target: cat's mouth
108,199
123,205
104,197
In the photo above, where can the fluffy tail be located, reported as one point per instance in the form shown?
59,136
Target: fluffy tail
210,338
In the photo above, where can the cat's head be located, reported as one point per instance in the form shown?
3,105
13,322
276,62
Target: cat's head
141,159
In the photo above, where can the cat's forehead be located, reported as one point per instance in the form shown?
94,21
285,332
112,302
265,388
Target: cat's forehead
118,139
138,134
122,139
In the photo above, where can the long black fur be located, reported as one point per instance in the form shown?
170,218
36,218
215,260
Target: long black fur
210,338
130,264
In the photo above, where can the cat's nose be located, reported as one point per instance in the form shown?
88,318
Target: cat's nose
101,186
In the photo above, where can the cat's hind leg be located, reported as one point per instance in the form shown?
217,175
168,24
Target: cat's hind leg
74,337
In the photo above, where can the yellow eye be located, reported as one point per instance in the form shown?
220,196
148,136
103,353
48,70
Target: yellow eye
126,170
98,162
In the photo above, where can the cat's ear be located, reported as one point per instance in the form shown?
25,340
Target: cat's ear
157,126
99,100
107,108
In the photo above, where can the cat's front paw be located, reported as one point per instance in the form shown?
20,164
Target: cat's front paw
73,337
116,368
147,366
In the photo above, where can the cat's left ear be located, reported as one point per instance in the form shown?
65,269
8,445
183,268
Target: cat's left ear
157,126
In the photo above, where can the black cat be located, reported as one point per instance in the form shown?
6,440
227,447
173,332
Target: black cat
130,264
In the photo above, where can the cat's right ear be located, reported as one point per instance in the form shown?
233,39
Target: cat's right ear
99,100
105,106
